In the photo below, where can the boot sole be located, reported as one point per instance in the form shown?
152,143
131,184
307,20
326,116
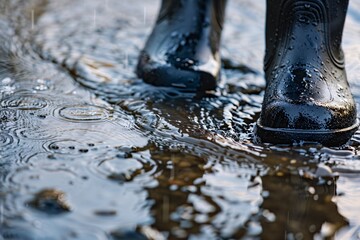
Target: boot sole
187,80
330,138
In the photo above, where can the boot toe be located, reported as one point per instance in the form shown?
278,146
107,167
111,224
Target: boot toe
170,76
285,122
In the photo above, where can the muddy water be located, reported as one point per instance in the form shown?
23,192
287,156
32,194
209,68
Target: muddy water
88,151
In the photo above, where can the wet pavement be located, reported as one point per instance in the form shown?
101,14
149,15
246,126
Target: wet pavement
88,151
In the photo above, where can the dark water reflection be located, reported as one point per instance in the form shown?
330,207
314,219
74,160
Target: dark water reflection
88,151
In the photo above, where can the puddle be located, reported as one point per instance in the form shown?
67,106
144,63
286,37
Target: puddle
88,151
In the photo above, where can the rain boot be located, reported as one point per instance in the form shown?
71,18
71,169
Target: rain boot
307,96
183,48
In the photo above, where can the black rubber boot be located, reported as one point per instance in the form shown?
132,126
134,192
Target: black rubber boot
307,96
183,48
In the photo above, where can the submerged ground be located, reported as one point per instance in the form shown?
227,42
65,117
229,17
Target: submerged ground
88,151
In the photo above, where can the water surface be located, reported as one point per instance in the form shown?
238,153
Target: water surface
88,151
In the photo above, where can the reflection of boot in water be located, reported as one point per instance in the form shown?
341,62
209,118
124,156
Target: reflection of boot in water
303,209
307,95
176,174
183,49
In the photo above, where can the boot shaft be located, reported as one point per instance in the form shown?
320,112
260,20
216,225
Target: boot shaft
196,13
307,26
193,25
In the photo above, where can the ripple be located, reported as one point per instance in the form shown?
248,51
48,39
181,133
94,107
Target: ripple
100,137
132,169
84,113
8,115
12,150
5,140
25,102
69,147
36,133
